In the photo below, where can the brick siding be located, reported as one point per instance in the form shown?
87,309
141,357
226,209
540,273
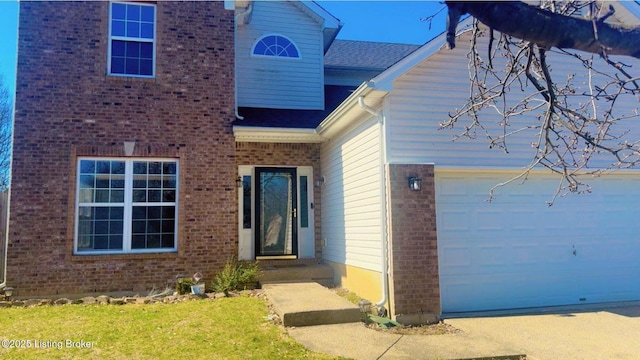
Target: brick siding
414,284
67,107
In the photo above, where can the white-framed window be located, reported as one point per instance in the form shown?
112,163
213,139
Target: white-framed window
131,39
126,206
275,45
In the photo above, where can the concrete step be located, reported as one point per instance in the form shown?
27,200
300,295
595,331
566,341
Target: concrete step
319,273
309,303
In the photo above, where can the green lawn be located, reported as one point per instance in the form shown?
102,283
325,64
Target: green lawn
227,328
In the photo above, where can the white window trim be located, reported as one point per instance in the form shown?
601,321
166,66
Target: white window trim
253,48
138,39
128,205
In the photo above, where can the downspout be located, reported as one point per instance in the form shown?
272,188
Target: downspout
3,284
384,243
235,62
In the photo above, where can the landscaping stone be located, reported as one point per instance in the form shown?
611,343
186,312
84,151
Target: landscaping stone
5,304
117,302
18,303
103,299
45,302
130,300
62,301
88,300
31,302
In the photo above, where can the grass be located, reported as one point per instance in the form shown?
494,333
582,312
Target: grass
227,328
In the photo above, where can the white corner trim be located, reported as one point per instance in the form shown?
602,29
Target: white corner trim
276,135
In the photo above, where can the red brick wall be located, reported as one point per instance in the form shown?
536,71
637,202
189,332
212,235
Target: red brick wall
67,107
278,154
414,281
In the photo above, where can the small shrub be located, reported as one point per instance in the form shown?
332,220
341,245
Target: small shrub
236,275
183,285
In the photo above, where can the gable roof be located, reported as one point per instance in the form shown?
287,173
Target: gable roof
348,54
343,54
382,84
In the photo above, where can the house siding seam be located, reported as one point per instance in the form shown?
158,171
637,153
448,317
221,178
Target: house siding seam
283,154
414,277
66,107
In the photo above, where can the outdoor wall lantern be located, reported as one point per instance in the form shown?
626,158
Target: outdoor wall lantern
239,182
415,183
319,182
8,292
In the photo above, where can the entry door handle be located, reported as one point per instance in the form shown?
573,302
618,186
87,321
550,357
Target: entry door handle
295,212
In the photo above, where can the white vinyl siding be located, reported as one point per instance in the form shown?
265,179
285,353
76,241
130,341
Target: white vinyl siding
424,97
351,197
517,252
276,82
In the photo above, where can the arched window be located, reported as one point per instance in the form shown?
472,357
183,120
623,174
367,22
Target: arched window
276,46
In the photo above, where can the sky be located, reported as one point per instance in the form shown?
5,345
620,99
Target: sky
382,21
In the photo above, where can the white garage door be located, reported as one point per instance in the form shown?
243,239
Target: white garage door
517,252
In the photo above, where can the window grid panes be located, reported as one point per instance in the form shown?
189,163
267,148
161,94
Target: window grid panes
276,46
132,37
126,205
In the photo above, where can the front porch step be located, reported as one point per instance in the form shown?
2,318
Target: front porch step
309,303
320,273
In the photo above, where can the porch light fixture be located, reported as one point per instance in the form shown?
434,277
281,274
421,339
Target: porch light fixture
8,292
415,183
239,182
365,308
319,182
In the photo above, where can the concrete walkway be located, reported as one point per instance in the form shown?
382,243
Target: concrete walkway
309,303
355,341
606,333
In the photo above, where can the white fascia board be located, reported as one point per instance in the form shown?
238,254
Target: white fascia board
329,21
631,6
384,81
276,135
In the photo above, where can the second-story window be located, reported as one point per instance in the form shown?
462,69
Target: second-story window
132,40
276,46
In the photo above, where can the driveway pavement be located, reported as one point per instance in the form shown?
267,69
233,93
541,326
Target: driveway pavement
610,333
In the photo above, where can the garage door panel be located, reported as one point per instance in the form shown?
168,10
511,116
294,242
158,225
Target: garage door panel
518,252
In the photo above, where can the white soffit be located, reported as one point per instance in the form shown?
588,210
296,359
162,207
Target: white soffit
276,135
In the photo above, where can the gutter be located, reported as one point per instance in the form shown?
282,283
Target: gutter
3,284
235,63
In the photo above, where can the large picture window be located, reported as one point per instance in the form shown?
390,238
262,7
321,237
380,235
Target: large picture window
126,205
132,40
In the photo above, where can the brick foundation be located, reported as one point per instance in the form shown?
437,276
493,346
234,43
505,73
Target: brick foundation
414,279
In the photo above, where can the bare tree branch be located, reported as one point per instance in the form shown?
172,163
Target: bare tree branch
581,117
546,28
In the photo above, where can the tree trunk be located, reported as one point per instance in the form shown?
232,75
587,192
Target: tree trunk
546,29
